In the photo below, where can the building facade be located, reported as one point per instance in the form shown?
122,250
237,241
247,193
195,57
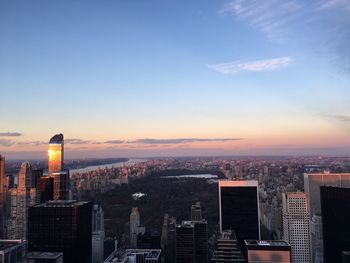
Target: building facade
296,228
19,200
335,206
268,251
62,226
3,191
312,184
239,208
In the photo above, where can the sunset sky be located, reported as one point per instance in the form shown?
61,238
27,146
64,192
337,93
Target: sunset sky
175,77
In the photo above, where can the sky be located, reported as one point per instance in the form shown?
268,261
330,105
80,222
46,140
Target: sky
127,78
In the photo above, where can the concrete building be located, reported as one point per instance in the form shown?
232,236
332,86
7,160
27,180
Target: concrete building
296,228
19,199
12,251
98,234
239,208
227,249
268,251
135,228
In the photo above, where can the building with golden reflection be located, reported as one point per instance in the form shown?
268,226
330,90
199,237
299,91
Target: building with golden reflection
56,168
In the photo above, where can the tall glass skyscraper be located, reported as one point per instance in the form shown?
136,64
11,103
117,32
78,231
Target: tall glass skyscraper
335,206
55,154
239,208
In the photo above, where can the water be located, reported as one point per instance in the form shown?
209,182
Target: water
201,176
103,166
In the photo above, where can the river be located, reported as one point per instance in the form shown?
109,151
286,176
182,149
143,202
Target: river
103,166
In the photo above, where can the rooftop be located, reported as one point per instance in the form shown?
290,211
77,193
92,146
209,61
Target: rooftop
56,139
266,243
62,203
6,244
44,255
121,256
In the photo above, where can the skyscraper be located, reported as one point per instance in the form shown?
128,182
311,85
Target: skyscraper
20,198
196,212
312,184
56,168
62,226
239,208
335,205
296,228
192,242
56,154
2,197
98,234
135,227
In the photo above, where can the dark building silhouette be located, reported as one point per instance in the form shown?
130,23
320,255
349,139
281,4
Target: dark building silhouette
192,242
201,241
149,240
61,185
62,226
335,207
45,188
239,208
185,243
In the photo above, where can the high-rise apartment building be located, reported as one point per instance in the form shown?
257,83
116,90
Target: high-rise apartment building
312,184
239,208
62,226
61,185
335,206
20,198
2,197
296,227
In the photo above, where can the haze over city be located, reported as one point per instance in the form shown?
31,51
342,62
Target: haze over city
175,78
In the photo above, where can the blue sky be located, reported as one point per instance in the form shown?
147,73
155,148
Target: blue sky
272,73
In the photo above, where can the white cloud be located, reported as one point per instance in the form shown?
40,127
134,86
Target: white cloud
270,16
252,66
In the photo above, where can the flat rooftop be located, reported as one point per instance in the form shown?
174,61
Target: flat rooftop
6,244
266,243
44,255
121,256
62,203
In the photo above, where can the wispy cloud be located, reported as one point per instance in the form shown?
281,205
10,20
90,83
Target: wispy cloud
77,141
338,117
115,142
252,66
10,134
182,140
270,16
344,4
6,142
323,24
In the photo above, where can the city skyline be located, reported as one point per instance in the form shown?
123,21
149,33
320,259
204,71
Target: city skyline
166,78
